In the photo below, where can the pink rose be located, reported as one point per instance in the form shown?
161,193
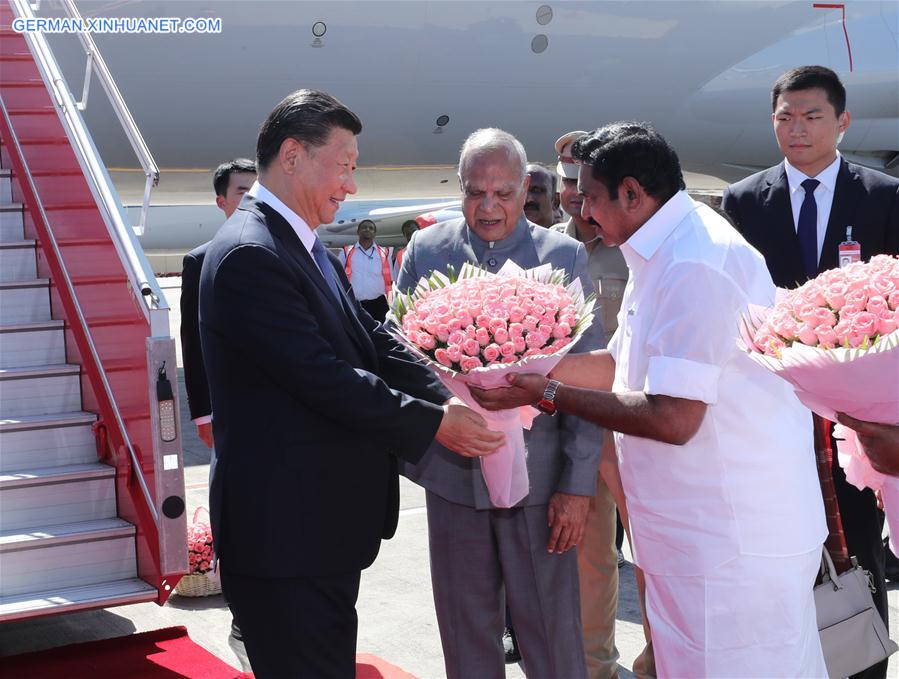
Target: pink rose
471,347
806,334
483,321
865,324
560,343
443,332
482,335
822,316
516,330
426,341
507,349
876,304
827,338
893,300
516,314
561,330
500,335
886,322
491,352
545,329
456,337
535,340
443,357
530,323
496,324
857,297
519,344
470,363
880,284
454,351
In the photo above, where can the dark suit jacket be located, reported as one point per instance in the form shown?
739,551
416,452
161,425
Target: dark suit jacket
194,370
864,199
311,403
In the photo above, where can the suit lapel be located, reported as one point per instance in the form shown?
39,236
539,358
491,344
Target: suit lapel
848,194
782,229
295,248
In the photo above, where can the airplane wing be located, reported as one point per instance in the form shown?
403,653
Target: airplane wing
388,215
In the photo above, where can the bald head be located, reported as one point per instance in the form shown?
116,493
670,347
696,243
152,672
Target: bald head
490,141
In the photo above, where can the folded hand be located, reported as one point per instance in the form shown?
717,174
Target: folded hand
465,432
526,389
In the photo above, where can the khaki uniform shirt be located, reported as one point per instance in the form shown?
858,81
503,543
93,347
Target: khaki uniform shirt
608,270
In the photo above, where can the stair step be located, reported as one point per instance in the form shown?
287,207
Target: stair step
40,390
33,498
55,475
24,301
69,556
5,187
41,441
104,595
32,344
17,260
11,228
64,533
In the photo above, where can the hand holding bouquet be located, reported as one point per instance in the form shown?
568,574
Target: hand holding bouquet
474,328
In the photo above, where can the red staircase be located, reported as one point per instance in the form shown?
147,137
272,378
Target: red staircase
112,341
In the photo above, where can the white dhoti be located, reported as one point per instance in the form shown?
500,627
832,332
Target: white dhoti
754,616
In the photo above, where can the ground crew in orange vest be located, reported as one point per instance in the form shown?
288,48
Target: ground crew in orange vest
367,266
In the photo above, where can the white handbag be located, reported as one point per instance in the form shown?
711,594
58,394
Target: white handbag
853,635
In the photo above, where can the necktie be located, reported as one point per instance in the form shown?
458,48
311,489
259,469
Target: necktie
808,228
324,264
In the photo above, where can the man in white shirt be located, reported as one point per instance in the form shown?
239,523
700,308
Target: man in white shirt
715,452
368,267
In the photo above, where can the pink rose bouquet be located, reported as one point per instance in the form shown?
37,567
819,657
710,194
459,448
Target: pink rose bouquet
199,546
475,327
835,339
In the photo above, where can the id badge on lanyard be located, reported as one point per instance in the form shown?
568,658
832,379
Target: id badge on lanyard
850,250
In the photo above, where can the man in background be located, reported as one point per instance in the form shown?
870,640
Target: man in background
542,198
230,181
368,267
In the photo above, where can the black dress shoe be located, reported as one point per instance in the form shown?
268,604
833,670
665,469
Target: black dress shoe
510,646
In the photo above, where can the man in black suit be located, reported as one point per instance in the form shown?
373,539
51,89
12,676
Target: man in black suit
312,400
797,214
231,181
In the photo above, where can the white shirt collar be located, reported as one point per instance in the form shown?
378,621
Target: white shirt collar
307,235
827,176
644,242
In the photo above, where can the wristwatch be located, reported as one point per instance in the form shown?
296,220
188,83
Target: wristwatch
547,404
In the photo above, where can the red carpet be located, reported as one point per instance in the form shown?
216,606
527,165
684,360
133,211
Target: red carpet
163,654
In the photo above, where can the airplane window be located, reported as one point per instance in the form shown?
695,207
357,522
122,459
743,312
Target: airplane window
539,43
544,14
319,29
442,121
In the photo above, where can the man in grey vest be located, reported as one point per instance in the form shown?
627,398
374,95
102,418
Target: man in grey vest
481,555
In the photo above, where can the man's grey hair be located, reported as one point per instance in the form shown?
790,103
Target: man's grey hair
489,140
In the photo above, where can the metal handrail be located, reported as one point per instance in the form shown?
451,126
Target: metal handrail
95,60
138,269
97,367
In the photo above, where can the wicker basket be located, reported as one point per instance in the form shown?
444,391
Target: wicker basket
199,584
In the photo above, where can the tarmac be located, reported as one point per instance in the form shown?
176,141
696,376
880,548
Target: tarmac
396,612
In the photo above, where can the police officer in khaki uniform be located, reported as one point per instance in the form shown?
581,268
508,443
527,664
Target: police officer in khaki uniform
597,554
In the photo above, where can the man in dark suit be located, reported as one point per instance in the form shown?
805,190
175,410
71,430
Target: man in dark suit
313,402
231,181
797,214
